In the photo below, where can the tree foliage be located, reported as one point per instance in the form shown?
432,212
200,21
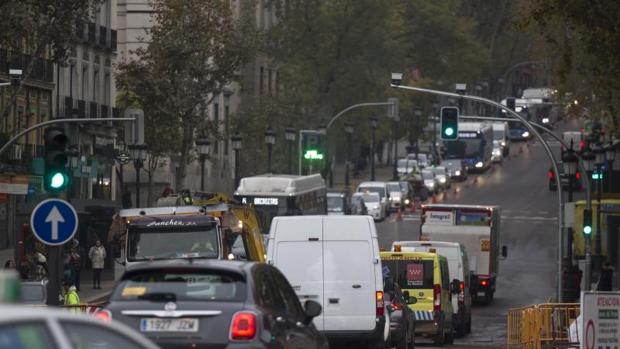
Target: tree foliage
196,49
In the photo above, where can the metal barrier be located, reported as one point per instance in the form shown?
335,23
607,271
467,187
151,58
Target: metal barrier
83,308
541,326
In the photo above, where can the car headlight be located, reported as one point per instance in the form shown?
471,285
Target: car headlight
430,185
503,143
496,152
457,173
406,201
518,109
525,134
442,179
479,164
545,120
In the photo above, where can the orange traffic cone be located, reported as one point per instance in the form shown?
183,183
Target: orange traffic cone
399,215
434,199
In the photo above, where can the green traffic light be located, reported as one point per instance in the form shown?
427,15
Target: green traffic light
58,180
587,230
449,131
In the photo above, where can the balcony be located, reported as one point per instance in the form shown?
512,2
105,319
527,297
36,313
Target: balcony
94,110
68,108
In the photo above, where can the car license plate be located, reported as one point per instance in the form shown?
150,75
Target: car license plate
168,325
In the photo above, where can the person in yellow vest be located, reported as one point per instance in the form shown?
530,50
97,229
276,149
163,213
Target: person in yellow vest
71,295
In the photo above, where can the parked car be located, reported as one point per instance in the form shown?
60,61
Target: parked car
206,303
576,184
340,270
402,319
338,204
36,327
374,206
358,206
456,169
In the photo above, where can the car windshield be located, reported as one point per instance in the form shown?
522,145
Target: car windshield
393,187
378,190
440,171
181,285
371,198
152,244
427,175
335,204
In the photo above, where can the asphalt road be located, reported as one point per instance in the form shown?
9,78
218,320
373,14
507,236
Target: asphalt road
528,228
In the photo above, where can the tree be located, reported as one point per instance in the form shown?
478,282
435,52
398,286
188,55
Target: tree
196,49
39,28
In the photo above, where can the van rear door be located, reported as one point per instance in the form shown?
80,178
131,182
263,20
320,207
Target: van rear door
349,274
416,276
296,249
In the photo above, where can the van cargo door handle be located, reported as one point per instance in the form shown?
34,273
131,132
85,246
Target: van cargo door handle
334,300
357,286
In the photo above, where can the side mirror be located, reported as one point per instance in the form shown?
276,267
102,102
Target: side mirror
455,286
313,309
504,251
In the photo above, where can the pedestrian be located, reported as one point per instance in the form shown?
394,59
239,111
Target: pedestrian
75,263
605,281
9,264
167,191
97,258
126,198
71,296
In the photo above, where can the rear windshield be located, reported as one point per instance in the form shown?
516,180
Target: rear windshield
393,187
178,285
409,273
335,204
378,190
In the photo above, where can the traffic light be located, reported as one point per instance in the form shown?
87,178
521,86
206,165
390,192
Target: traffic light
587,222
449,123
312,151
510,103
56,177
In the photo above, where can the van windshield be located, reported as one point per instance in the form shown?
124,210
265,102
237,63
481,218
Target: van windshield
409,274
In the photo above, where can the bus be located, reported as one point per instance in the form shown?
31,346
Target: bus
283,195
474,145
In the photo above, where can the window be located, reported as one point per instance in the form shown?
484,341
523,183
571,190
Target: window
26,336
216,121
269,77
95,96
84,86
106,91
410,274
266,294
291,302
90,336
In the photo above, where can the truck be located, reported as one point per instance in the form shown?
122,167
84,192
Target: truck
477,228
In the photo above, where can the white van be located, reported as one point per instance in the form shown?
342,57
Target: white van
335,261
458,265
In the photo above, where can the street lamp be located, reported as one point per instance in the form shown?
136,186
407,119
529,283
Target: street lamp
348,129
235,140
374,122
138,153
290,134
599,154
270,140
203,146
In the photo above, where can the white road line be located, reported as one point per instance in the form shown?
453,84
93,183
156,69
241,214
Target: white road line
530,218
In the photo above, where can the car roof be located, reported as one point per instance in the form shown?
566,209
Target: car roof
426,243
335,194
223,265
372,184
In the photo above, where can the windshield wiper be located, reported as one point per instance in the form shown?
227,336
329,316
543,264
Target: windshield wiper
159,297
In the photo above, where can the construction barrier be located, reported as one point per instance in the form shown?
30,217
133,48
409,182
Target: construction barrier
541,326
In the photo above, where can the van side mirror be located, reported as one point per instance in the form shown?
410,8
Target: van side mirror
504,251
455,286
407,297
312,310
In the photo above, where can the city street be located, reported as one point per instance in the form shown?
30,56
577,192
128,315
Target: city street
528,229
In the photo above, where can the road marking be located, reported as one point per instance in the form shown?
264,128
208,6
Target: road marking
530,218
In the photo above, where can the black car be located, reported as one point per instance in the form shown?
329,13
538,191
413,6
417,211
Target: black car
402,319
214,304
576,184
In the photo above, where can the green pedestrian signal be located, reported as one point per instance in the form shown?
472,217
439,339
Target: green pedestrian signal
313,155
587,222
449,123
56,177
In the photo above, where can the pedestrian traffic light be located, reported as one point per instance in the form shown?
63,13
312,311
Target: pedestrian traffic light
449,123
56,177
587,222
312,151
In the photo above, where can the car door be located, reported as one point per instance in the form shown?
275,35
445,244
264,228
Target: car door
270,302
85,335
299,335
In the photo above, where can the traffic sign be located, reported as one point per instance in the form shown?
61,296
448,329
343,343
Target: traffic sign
600,320
123,158
54,221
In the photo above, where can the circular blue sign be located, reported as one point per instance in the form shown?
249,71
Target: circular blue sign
54,222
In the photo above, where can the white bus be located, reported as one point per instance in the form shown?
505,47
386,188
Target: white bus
283,195
474,145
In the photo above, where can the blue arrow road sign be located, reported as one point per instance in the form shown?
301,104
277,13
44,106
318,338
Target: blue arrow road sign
54,221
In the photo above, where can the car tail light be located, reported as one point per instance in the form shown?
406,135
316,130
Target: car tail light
104,316
577,175
550,174
379,303
243,326
484,283
437,297
461,297
582,144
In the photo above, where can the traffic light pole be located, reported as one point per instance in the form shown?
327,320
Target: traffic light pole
6,145
535,132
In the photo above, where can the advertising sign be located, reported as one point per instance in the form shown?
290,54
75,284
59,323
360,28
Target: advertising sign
439,217
415,274
600,320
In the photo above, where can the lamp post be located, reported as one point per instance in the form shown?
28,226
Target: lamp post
348,129
236,139
599,153
588,163
569,162
203,145
290,134
138,153
74,157
374,122
270,140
